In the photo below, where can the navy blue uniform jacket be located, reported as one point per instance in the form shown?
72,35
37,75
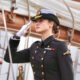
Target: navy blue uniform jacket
48,59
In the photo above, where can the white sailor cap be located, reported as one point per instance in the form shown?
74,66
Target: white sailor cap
46,11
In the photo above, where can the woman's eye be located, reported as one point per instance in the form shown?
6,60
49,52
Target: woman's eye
40,20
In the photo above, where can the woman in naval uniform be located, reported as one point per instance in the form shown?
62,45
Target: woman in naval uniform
50,58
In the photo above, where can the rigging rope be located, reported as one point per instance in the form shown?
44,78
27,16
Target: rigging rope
28,9
72,32
5,25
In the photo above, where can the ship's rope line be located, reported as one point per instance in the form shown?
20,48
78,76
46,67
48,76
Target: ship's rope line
27,40
73,21
5,25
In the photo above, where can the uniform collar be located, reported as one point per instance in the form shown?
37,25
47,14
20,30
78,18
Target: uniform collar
47,40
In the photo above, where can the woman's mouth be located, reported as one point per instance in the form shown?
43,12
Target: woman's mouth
37,27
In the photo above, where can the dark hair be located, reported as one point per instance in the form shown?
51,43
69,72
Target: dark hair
55,28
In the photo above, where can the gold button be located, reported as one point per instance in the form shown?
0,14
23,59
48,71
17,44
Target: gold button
42,59
34,73
35,51
32,57
42,73
44,52
48,46
32,65
37,46
42,65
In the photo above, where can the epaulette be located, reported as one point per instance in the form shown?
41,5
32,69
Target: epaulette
60,40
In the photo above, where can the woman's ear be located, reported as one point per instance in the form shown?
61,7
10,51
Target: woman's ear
51,24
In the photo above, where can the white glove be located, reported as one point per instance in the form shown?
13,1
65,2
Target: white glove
24,29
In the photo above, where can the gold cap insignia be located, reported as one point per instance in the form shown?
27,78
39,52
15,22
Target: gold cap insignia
38,16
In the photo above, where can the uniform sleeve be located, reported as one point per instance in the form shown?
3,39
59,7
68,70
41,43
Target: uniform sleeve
65,63
17,57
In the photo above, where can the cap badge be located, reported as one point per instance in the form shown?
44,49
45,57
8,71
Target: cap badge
38,16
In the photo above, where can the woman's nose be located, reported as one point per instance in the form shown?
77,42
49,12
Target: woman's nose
37,23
